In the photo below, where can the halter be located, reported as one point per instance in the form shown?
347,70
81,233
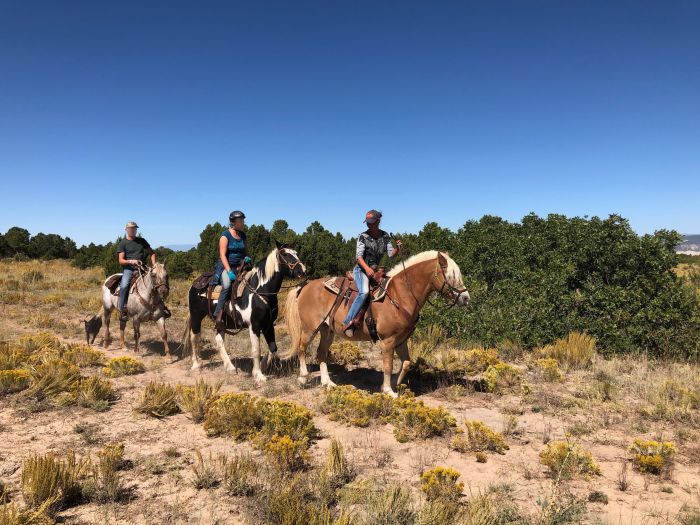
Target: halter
445,284
142,270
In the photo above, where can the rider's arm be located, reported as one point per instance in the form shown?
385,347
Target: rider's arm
125,262
366,267
359,253
223,246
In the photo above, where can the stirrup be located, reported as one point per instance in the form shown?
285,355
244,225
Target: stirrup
349,329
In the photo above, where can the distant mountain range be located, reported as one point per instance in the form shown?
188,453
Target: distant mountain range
180,247
690,245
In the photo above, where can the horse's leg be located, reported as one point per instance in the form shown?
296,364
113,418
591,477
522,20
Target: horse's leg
106,317
402,352
255,354
269,333
324,344
122,331
228,365
195,339
160,323
137,333
387,366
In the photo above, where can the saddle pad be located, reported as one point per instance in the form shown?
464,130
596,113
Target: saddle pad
113,283
334,283
216,291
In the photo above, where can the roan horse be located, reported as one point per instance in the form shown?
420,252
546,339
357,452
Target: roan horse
312,308
255,308
146,303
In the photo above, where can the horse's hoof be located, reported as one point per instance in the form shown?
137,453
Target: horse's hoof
259,378
230,368
329,384
390,393
302,380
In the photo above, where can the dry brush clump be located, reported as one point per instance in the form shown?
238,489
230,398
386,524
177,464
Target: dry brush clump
158,400
196,400
576,351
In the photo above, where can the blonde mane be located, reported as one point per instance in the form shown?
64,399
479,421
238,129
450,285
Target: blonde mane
452,272
272,266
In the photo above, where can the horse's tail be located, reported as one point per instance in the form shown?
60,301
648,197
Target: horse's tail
186,342
293,319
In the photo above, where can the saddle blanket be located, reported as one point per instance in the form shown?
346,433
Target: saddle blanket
334,283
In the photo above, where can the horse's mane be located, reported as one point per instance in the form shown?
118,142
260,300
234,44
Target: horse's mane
452,272
266,268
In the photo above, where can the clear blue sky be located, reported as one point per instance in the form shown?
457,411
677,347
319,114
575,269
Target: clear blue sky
174,113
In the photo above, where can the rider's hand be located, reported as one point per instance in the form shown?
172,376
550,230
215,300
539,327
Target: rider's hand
232,275
370,272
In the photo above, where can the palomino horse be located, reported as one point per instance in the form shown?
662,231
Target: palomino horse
255,308
146,303
312,308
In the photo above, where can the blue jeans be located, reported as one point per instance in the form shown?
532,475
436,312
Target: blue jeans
221,277
127,272
362,283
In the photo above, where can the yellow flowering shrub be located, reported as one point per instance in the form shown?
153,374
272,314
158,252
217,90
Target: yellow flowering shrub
13,381
565,460
502,378
440,483
123,366
652,457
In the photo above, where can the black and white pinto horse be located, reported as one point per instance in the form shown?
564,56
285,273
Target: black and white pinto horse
255,308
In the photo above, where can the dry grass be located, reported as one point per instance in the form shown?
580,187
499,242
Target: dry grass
51,482
196,400
575,351
158,400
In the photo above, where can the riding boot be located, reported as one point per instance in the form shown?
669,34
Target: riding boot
220,323
124,314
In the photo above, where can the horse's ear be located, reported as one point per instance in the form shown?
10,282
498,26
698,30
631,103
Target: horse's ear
442,258
278,244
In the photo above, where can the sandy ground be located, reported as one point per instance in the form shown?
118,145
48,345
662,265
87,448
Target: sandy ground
160,485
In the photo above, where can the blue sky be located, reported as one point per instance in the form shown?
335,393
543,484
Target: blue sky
174,113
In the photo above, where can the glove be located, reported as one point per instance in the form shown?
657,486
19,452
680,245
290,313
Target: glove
248,260
232,275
